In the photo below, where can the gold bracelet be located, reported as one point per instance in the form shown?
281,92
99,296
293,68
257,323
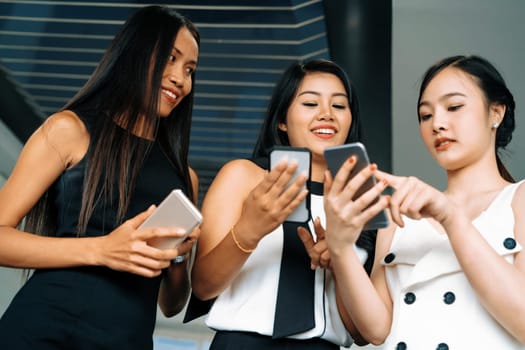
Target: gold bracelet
244,250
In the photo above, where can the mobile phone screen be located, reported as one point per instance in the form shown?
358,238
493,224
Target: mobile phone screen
335,156
303,158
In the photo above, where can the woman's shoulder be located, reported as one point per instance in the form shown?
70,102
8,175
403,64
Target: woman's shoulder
519,196
521,185
67,134
240,167
240,172
65,124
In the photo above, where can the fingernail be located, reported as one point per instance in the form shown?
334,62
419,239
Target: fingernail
373,167
384,182
351,160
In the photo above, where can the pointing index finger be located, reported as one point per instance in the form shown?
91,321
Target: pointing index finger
392,180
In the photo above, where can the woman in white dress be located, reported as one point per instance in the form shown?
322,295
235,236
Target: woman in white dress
247,244
449,271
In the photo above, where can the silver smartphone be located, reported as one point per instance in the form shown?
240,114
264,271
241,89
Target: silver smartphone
176,210
336,155
303,158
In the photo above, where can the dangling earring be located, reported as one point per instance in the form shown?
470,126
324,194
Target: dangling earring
495,125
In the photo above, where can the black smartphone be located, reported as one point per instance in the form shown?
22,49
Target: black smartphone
176,210
303,157
336,155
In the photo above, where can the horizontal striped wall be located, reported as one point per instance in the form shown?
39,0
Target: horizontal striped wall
51,48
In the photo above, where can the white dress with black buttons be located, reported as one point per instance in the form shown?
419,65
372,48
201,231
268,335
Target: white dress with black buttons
435,306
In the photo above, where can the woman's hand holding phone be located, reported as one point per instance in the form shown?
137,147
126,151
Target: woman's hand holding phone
175,211
302,157
347,215
126,248
271,201
336,158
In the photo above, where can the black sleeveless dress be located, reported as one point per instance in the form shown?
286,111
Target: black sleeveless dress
90,307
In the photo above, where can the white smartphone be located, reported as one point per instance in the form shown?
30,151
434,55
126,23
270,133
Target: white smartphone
303,158
176,210
336,155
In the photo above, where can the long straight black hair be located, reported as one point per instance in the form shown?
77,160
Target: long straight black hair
123,91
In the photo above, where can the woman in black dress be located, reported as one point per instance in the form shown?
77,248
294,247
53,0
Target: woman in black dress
85,181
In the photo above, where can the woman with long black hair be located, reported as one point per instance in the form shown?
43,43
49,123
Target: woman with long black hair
85,180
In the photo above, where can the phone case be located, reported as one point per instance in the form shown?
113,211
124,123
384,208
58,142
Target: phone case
303,157
336,155
176,210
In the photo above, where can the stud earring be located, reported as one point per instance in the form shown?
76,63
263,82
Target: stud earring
495,125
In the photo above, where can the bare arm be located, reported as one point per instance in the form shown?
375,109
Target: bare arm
499,285
253,200
57,145
175,287
47,153
320,257
364,302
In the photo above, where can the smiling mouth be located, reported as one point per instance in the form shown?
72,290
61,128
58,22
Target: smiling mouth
324,131
170,94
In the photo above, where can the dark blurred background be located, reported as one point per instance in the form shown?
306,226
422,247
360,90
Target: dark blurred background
48,49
